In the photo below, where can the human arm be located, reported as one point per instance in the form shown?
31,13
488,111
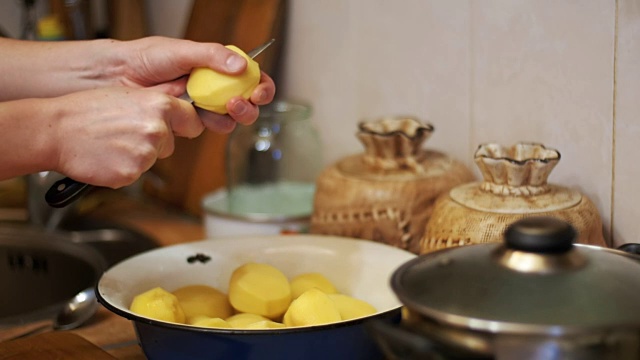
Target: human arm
106,137
49,69
102,111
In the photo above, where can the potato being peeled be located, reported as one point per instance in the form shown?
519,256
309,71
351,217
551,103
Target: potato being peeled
212,90
158,304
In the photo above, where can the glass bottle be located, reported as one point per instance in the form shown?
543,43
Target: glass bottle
272,165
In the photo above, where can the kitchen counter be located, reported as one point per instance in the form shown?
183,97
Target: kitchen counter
166,226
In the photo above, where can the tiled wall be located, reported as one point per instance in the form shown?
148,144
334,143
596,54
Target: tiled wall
625,223
562,72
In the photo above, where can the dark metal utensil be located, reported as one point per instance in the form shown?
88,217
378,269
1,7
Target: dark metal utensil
75,313
67,190
64,192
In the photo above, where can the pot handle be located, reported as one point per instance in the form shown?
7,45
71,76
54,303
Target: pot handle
401,344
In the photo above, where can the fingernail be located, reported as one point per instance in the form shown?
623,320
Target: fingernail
262,96
235,63
239,108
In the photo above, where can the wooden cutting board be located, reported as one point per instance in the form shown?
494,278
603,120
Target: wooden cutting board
197,166
59,345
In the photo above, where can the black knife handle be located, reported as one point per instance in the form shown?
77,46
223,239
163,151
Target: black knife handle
64,192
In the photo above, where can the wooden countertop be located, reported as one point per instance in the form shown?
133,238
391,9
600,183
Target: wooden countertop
165,225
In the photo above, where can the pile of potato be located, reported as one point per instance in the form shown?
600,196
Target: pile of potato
260,297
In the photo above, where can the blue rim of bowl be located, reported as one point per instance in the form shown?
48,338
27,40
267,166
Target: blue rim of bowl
222,331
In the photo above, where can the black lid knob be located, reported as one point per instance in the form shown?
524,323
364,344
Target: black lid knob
540,234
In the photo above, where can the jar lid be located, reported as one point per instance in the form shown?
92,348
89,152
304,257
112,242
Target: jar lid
537,282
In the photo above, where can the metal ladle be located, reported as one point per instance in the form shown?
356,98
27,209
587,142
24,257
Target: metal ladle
77,311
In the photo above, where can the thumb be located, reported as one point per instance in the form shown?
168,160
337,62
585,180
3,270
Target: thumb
184,120
175,87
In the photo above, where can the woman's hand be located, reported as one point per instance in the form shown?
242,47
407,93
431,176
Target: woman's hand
164,64
110,136
103,111
41,69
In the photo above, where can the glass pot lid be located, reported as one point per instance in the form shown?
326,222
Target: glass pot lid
538,281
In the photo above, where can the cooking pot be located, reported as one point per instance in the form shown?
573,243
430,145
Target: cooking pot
535,296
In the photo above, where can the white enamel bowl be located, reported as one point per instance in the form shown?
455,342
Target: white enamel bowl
360,268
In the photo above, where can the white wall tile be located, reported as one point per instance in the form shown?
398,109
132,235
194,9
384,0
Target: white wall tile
366,59
492,70
626,210
543,71
414,59
320,69
168,18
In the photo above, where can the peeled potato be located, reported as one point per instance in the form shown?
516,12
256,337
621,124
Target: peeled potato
350,307
194,319
261,295
212,90
259,289
158,304
203,300
313,307
210,322
243,319
265,324
304,282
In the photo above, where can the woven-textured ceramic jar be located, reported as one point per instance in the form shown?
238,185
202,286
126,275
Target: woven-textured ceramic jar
387,193
515,186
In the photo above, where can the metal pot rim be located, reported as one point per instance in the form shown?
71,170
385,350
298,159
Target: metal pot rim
496,326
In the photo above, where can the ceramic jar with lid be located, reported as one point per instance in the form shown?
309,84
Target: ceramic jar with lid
385,194
514,186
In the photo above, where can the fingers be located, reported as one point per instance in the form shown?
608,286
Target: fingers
212,55
156,60
265,91
223,124
184,120
242,111
246,112
165,148
175,87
